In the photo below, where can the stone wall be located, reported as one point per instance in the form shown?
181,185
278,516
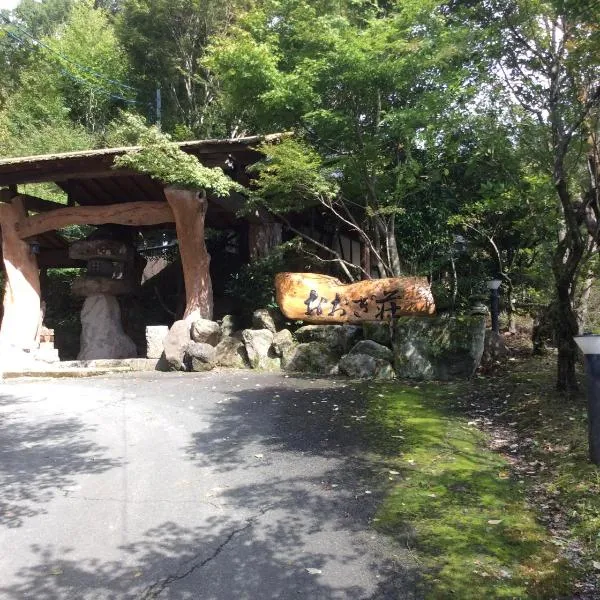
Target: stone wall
410,347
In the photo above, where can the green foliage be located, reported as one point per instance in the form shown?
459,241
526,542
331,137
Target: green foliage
371,92
44,18
165,40
58,105
88,38
63,310
292,176
255,282
164,161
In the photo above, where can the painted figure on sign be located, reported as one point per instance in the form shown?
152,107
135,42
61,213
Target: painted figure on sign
335,307
313,304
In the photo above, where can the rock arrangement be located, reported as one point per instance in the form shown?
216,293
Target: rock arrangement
410,347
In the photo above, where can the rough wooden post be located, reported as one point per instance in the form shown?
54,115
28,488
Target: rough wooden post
189,209
22,289
262,238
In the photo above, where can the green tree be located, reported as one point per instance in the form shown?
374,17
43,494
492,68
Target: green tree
92,66
546,54
68,86
165,40
42,19
366,87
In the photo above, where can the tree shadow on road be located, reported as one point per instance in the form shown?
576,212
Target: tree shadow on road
299,478
40,460
312,417
180,564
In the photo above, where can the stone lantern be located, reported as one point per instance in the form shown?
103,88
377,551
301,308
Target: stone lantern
109,274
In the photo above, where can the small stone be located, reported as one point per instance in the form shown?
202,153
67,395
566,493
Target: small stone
364,366
231,352
284,346
373,349
340,338
228,325
312,357
175,344
380,332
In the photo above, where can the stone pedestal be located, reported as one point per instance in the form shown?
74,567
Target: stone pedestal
102,334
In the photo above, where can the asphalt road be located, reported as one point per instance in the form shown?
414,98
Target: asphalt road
219,486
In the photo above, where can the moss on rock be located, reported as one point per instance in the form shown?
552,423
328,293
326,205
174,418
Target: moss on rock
438,348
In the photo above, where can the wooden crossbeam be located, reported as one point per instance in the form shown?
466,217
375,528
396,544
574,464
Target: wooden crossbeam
130,213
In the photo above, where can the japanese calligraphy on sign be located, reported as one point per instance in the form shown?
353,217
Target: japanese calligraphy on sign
319,298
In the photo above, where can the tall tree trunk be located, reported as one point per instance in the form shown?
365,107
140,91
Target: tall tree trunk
381,267
393,247
21,317
365,260
263,237
565,266
584,301
566,329
189,209
510,304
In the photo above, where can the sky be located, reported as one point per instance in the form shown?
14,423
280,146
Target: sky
8,4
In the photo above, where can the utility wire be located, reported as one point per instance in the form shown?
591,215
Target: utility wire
82,80
37,42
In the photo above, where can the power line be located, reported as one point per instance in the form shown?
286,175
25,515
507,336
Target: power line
91,85
66,58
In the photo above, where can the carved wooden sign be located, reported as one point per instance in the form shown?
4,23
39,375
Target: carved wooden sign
322,299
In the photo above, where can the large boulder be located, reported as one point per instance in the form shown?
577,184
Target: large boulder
199,356
312,357
258,345
284,345
102,334
175,344
206,332
339,338
366,366
438,348
378,331
373,349
231,352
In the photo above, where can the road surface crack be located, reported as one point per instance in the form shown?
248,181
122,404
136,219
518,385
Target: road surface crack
154,590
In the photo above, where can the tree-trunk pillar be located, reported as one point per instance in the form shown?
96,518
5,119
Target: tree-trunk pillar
263,237
21,301
189,209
